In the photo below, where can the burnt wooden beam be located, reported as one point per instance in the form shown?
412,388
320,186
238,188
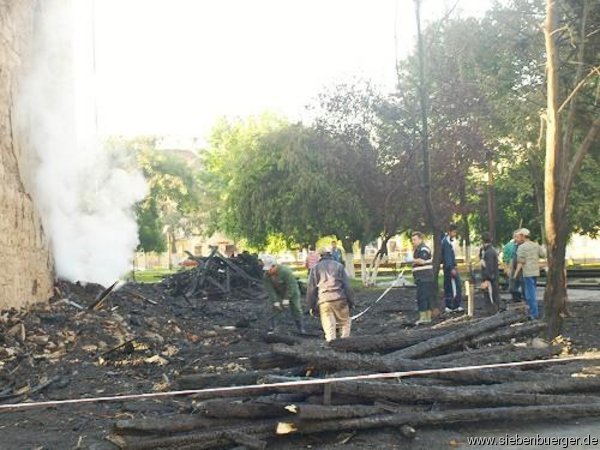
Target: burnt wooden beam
439,343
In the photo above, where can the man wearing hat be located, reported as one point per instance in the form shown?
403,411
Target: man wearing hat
329,294
283,291
528,263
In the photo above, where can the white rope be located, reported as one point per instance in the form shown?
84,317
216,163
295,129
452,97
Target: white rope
356,316
290,384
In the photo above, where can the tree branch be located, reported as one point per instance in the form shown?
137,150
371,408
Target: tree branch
587,142
542,129
579,85
571,116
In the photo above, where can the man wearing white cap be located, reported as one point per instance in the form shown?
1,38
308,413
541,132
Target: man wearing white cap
528,261
282,287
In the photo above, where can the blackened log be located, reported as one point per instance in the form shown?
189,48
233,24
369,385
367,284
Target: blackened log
517,355
489,377
492,356
488,396
204,439
554,385
271,360
275,338
327,359
435,418
237,270
439,343
246,440
589,366
335,401
307,389
97,304
319,412
201,381
384,343
460,320
242,409
470,353
517,331
423,381
178,423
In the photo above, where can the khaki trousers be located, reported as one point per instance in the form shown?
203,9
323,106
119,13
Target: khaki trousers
335,314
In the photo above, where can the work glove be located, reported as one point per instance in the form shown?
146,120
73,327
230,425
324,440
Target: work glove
277,306
285,303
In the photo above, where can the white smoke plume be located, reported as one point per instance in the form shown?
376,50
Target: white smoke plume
85,195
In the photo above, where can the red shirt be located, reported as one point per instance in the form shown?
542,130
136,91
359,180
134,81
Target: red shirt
312,260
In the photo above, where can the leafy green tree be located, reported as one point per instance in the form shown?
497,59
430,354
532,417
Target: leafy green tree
507,67
279,179
171,208
378,159
150,227
232,145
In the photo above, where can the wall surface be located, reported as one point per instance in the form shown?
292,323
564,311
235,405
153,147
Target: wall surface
26,269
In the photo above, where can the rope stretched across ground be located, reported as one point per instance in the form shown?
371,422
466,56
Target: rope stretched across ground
259,387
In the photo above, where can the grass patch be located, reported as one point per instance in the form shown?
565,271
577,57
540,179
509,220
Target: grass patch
151,276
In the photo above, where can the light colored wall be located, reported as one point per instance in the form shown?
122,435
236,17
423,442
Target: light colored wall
26,269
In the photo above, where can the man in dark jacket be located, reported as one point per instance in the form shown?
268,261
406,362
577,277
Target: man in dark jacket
452,282
423,274
488,258
329,294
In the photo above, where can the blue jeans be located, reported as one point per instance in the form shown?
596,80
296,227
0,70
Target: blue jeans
530,284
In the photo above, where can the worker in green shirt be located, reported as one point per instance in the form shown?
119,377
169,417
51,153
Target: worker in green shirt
509,258
283,291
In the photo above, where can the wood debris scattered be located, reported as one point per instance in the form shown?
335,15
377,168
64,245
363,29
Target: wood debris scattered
528,393
162,338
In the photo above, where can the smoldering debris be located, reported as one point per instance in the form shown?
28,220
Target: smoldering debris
142,339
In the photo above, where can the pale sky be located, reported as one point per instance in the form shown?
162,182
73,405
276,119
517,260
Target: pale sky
172,67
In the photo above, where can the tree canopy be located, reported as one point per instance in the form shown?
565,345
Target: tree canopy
173,204
356,170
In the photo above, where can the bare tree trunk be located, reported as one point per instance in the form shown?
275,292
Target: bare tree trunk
426,176
423,95
556,190
491,196
561,167
465,218
363,264
348,246
437,260
537,173
381,253
169,253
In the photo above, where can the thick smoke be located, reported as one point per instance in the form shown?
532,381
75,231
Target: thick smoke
84,194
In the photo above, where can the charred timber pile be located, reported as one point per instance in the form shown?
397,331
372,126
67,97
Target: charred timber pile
216,276
334,398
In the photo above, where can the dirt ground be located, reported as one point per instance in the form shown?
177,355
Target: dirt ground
165,337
